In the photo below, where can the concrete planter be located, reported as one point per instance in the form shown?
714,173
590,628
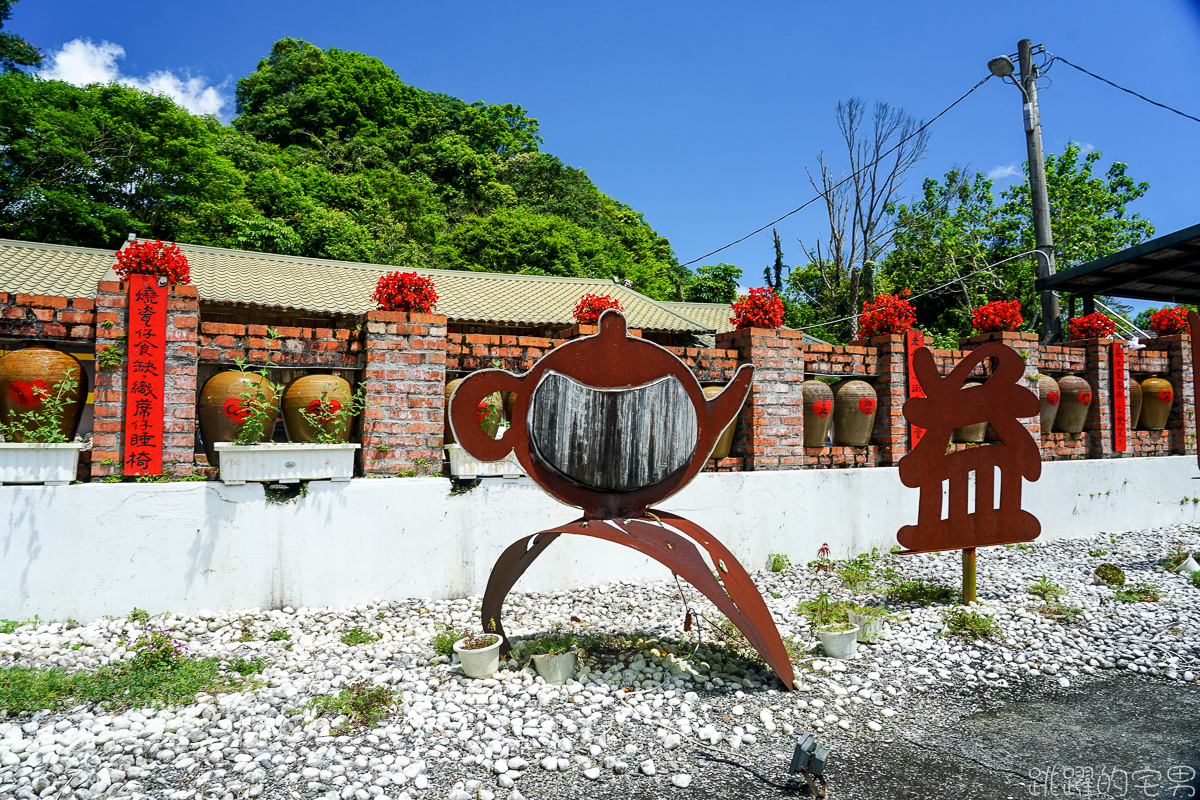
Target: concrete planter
869,627
31,462
840,643
481,663
285,463
1188,566
557,668
466,466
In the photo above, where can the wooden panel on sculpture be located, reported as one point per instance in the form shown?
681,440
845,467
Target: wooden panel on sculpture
612,439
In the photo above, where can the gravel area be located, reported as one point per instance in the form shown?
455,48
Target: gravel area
623,728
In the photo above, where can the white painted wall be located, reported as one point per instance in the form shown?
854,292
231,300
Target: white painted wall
92,549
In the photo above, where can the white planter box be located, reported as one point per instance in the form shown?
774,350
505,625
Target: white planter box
51,464
285,463
464,465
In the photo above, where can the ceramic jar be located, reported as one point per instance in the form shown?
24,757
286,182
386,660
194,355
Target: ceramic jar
1074,401
1049,396
1135,402
724,441
27,375
308,394
1157,398
222,407
818,413
971,434
854,406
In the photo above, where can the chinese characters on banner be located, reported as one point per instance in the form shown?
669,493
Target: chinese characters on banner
1120,404
144,383
913,340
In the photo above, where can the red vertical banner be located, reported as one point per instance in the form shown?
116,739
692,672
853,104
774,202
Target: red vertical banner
145,379
913,341
1120,397
1194,339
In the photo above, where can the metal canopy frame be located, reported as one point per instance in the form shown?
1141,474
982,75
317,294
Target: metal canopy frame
1166,270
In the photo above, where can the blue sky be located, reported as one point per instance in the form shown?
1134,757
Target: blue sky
704,116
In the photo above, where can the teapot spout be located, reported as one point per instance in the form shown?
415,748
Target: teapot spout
725,406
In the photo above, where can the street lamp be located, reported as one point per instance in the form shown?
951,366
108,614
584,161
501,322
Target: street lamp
1001,66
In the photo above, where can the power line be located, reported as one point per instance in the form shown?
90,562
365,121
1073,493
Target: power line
1123,89
852,175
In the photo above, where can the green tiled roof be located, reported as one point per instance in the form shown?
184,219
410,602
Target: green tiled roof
319,285
711,315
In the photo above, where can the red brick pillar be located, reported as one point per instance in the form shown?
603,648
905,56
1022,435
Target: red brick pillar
891,390
1097,355
179,391
770,432
1182,422
405,379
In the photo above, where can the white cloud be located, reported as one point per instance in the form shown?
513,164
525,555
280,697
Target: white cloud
82,61
1005,171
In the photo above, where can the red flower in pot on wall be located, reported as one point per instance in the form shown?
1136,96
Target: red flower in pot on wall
405,291
1092,326
762,308
591,306
998,315
1168,321
144,257
887,314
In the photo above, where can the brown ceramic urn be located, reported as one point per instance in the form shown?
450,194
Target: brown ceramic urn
1157,398
854,405
1135,402
223,407
322,399
1075,398
974,433
30,375
818,413
1050,397
721,450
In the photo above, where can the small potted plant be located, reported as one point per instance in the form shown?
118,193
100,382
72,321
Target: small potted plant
997,316
479,654
887,315
869,620
1169,321
552,655
591,306
36,447
839,638
1097,325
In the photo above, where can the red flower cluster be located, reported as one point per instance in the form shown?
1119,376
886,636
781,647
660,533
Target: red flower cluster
1092,326
998,315
887,314
590,306
1167,321
405,291
144,257
762,308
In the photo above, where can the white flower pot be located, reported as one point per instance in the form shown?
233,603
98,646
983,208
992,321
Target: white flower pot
557,668
30,462
869,627
839,644
481,663
1188,566
465,466
285,463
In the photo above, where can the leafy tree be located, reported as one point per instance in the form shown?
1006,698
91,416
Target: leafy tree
956,229
15,52
713,284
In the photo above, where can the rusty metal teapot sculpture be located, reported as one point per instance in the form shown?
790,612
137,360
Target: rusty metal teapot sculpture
612,424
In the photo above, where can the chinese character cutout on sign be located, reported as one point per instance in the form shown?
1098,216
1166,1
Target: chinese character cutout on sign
1001,402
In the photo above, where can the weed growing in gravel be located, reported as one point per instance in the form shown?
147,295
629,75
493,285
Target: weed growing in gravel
362,703
160,673
733,643
279,635
920,591
551,643
444,638
971,624
778,562
357,635
1097,552
249,666
612,645
1064,612
1110,575
1140,593
1196,579
139,615
1046,590
1178,556
10,625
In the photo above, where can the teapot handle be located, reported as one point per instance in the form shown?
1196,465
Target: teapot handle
464,420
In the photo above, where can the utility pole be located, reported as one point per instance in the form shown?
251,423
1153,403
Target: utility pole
1044,238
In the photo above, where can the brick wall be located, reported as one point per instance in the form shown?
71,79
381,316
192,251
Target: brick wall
179,392
405,380
46,317
321,348
770,432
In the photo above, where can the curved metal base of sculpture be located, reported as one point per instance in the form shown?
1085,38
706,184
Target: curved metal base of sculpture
676,548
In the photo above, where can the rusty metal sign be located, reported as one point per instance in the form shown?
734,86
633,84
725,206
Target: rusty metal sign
914,340
1000,401
566,432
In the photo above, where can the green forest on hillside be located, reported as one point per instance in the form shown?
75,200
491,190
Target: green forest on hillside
330,155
